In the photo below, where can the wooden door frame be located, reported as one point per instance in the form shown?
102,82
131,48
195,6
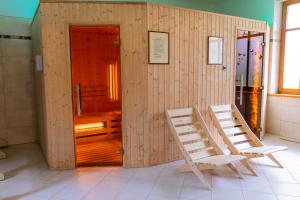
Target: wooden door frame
68,24
266,33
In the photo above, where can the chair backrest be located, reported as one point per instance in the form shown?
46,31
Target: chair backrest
191,133
233,128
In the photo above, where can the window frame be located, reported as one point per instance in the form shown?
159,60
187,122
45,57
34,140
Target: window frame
282,90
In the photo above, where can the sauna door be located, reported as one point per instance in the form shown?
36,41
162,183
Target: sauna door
249,75
96,85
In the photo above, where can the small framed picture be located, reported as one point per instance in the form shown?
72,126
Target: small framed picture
215,50
158,47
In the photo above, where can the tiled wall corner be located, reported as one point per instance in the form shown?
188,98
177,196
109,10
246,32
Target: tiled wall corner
283,116
17,110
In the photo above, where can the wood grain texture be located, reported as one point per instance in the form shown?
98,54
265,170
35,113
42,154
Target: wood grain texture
188,80
147,89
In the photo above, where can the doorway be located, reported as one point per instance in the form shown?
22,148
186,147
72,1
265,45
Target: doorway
249,77
96,93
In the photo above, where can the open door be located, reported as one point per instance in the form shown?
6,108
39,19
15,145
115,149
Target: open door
96,85
249,77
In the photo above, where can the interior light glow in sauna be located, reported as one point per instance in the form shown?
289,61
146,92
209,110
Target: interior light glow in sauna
254,99
95,55
113,82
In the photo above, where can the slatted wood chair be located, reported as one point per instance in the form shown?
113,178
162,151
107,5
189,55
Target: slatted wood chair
1,177
2,156
199,149
238,136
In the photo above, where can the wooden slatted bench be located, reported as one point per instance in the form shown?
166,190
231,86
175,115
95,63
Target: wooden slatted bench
199,149
2,156
238,136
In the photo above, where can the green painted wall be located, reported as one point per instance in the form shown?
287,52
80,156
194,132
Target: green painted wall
18,8
255,9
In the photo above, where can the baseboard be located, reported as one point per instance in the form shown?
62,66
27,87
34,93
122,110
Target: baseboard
290,139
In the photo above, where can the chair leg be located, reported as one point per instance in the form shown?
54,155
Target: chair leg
185,168
248,166
234,169
1,177
200,176
2,155
275,160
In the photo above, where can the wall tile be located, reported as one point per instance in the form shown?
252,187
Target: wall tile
290,130
16,47
19,89
2,120
287,101
15,26
3,134
21,135
273,126
17,66
2,105
283,116
16,84
17,114
274,109
20,118
1,77
19,100
290,114
0,48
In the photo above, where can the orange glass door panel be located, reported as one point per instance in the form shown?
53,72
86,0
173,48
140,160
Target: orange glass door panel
94,51
96,86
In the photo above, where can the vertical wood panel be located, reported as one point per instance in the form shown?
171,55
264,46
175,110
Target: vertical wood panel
188,79
147,90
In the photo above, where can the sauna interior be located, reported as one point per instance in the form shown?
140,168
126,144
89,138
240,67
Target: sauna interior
96,87
150,100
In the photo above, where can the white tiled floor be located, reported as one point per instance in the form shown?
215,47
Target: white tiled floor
28,178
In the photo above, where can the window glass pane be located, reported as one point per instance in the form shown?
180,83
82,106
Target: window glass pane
293,16
291,78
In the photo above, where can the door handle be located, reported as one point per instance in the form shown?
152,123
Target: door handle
241,89
78,99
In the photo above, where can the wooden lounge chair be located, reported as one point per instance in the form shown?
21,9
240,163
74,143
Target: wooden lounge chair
199,149
1,177
2,156
238,136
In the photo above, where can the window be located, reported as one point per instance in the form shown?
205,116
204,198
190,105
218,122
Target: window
289,81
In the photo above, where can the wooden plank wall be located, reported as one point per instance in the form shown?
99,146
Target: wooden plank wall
188,80
56,18
147,90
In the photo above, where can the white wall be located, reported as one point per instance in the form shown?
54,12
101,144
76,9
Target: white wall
17,106
283,112
275,48
283,116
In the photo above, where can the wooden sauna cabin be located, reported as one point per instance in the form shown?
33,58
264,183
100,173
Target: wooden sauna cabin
101,103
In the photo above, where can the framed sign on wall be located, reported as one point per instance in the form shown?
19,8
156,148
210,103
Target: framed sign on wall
158,47
215,50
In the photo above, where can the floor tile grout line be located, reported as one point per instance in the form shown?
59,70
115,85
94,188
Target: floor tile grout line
129,178
263,171
84,196
66,184
154,183
180,192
